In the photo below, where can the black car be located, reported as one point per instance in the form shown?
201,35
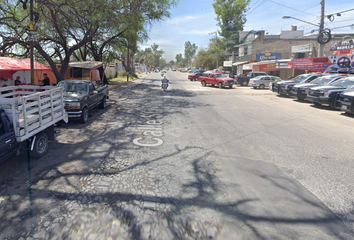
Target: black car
284,87
328,95
346,101
300,90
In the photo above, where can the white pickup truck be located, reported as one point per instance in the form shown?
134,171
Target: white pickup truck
29,113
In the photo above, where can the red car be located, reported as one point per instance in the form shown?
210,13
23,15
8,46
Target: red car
194,76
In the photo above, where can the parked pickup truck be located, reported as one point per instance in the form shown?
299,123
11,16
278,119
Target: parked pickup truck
219,79
28,114
284,87
328,95
244,80
81,97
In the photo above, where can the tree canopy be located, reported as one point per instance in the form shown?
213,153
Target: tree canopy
78,30
231,19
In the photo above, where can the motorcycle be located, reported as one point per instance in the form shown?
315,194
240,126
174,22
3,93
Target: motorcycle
164,86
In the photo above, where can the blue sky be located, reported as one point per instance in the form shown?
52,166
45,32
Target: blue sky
195,21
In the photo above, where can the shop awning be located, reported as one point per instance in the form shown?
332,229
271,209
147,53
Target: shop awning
92,65
239,63
16,64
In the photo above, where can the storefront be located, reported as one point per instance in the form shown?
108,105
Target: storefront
266,66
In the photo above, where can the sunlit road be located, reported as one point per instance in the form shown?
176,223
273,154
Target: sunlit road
279,160
190,163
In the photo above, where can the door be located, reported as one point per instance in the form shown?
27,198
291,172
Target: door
93,96
8,144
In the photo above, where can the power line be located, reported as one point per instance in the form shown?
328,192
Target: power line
290,7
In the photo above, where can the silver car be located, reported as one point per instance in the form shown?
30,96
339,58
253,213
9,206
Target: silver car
262,82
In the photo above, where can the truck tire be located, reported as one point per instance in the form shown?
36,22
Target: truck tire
84,115
203,83
332,104
103,103
219,85
40,146
244,83
301,99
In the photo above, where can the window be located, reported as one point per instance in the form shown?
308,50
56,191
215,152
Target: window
92,87
2,129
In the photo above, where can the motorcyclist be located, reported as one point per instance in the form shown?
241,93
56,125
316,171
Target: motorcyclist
164,80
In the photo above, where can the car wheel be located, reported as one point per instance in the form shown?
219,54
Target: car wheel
84,115
41,145
332,104
220,85
261,86
203,83
244,83
103,103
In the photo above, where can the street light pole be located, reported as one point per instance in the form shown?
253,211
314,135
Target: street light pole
216,37
320,51
321,28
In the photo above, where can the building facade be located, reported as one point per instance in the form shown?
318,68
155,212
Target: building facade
258,51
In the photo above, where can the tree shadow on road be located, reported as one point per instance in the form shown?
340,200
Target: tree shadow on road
81,185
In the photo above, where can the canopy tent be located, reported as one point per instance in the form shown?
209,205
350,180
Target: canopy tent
16,64
12,67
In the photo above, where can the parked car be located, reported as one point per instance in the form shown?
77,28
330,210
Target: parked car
262,81
194,76
219,79
29,115
328,95
81,97
244,80
300,90
284,87
346,101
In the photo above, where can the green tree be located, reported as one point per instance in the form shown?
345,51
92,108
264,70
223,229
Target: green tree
180,61
205,59
231,19
189,51
71,29
157,53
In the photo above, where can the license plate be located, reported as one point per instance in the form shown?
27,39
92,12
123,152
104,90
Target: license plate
344,107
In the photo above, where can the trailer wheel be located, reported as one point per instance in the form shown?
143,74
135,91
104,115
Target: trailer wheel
40,146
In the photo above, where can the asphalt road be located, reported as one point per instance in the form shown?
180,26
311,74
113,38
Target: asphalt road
190,163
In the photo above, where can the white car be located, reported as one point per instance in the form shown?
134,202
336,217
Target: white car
262,82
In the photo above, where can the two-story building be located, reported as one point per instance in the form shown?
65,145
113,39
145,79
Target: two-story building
258,51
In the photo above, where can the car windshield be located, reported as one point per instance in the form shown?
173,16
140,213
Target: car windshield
345,82
73,87
300,78
222,75
324,80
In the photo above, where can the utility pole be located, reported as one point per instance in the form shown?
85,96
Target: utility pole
320,51
31,43
217,54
